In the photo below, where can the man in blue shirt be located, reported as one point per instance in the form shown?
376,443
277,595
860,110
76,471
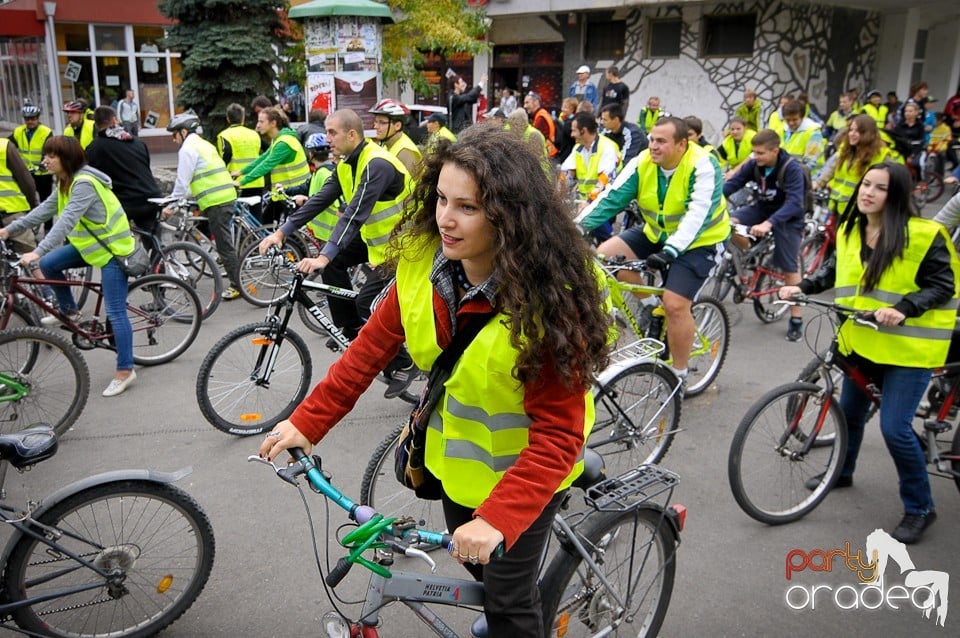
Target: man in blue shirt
583,89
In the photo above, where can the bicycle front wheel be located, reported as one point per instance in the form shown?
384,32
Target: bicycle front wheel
262,278
153,540
710,343
381,490
638,414
766,294
768,470
43,379
188,262
250,381
165,315
636,552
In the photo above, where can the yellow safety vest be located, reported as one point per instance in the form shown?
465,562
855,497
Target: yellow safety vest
588,174
922,342
87,132
737,155
775,123
12,199
114,232
847,176
31,150
375,232
878,113
212,184
294,172
402,142
798,143
322,225
663,220
479,427
245,145
648,118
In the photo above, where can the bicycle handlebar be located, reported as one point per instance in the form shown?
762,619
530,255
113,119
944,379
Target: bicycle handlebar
861,317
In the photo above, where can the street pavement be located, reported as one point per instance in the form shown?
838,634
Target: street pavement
731,570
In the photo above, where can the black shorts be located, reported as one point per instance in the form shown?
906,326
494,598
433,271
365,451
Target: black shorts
688,272
786,238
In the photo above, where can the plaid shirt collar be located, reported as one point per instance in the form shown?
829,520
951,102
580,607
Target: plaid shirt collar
444,282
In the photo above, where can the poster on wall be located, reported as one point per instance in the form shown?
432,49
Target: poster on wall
155,99
320,92
358,44
357,90
320,45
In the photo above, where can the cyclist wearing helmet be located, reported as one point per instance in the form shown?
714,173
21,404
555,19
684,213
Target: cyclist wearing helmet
202,174
389,117
239,147
77,123
318,151
29,138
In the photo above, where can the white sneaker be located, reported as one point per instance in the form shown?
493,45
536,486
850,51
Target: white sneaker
116,386
51,321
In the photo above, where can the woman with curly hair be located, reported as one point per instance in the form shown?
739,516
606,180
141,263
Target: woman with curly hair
485,231
860,148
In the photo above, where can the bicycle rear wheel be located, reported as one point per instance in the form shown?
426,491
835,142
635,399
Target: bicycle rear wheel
43,379
710,344
636,552
263,278
764,305
81,273
380,489
927,190
248,382
165,315
154,537
767,468
188,262
813,252
638,414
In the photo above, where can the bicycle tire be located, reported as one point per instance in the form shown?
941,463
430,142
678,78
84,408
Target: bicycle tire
927,190
53,370
719,284
189,262
811,373
307,319
756,456
955,460
230,391
763,305
262,280
21,315
711,342
155,534
575,601
165,315
813,253
81,273
638,414
381,489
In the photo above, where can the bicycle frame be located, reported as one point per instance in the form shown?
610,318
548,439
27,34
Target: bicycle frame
297,295
745,277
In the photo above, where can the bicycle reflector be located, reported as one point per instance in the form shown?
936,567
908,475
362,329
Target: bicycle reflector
680,515
165,584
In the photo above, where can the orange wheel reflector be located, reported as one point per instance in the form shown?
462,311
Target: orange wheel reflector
563,622
251,416
165,583
714,349
261,341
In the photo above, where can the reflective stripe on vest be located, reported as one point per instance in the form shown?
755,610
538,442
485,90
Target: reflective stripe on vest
245,147
12,199
588,174
848,175
211,184
31,150
376,230
479,428
294,172
114,232
86,132
922,342
322,225
404,143
662,221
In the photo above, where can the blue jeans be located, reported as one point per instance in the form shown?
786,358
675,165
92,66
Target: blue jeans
114,286
902,390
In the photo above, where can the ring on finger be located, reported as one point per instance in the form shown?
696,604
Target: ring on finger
473,559
274,435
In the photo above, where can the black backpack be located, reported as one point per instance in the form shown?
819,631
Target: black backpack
807,180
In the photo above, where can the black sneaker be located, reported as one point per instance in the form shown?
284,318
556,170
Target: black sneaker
911,528
814,482
794,330
400,380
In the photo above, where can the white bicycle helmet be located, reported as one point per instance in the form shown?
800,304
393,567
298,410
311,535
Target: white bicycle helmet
390,108
188,121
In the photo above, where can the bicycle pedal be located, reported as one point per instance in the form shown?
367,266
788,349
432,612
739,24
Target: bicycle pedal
936,426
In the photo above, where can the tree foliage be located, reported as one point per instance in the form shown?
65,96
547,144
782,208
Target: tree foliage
444,26
228,52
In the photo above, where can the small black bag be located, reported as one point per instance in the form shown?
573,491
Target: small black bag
408,463
136,264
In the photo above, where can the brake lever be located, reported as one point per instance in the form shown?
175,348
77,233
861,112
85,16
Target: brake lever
288,473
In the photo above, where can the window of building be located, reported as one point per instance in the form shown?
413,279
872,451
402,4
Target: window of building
728,36
606,39
664,39
530,67
919,56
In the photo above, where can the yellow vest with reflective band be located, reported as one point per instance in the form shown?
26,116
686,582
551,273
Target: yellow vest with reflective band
878,113
294,172
245,144
847,176
114,232
798,142
479,427
87,132
648,118
31,150
404,143
322,225
737,155
12,199
922,342
662,221
775,123
212,185
588,173
375,232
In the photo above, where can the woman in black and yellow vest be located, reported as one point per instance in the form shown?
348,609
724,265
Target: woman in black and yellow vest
904,269
485,232
85,209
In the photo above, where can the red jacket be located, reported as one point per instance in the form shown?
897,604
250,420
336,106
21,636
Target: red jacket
556,412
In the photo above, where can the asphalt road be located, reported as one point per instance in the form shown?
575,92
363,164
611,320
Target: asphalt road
731,576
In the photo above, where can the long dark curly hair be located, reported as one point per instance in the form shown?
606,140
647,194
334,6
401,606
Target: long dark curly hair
548,287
